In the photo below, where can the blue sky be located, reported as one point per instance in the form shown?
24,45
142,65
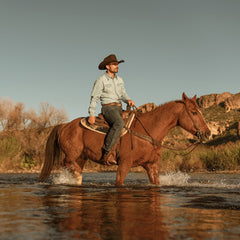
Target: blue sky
50,49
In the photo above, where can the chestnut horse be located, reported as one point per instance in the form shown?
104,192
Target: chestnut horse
80,144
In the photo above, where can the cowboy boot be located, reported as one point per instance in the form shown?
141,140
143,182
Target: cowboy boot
108,157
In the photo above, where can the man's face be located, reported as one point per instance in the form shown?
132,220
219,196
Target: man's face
112,67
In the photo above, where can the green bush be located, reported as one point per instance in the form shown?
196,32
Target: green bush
27,162
222,158
167,155
9,146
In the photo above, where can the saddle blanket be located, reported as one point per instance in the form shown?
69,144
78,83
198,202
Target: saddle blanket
101,126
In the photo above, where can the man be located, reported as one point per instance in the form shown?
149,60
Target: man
111,91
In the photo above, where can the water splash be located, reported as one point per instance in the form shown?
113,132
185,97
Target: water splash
64,177
174,179
185,180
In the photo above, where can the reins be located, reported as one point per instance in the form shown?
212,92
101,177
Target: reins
193,146
157,143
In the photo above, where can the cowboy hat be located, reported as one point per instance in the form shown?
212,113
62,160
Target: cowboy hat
107,60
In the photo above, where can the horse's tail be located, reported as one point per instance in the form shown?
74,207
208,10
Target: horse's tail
52,153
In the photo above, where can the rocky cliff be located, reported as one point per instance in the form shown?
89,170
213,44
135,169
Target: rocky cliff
221,111
227,100
146,107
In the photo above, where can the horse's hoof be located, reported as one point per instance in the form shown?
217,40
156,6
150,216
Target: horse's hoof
79,180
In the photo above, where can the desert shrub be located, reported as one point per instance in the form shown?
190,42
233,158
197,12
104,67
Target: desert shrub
167,155
27,162
221,158
13,116
9,146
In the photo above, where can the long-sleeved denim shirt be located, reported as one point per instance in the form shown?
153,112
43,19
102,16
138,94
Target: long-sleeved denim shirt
109,90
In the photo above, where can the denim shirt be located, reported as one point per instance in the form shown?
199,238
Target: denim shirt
109,90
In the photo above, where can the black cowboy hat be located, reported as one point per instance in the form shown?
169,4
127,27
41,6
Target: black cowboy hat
107,60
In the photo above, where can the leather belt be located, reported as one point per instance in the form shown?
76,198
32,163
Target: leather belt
113,104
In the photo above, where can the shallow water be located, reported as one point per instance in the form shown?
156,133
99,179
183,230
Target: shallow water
184,206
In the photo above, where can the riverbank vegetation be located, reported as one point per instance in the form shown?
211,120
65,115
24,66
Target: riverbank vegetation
23,136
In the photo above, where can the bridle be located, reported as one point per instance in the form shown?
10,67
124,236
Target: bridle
199,133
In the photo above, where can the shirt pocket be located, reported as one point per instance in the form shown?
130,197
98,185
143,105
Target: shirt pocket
107,87
120,87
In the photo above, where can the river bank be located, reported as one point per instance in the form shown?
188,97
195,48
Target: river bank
225,157
24,150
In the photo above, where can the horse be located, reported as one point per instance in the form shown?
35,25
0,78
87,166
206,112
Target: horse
141,146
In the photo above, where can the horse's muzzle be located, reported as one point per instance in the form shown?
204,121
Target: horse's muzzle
203,135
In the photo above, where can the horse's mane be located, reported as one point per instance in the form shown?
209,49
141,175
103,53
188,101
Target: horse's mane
165,107
162,107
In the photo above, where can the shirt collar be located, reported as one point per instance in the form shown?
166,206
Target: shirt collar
108,76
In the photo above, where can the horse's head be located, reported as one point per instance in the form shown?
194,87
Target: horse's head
191,118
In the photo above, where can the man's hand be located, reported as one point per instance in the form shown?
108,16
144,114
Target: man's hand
131,103
91,119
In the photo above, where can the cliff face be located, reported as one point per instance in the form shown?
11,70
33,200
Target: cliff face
227,100
221,112
146,107
233,102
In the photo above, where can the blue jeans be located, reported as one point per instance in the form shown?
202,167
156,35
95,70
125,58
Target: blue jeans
112,114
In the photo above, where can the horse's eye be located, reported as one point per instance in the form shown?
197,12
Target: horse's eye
194,113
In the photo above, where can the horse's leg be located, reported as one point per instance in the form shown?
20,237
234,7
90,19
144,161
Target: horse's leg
122,172
153,172
81,162
75,168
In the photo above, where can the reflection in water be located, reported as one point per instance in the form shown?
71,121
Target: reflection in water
200,223
118,214
102,211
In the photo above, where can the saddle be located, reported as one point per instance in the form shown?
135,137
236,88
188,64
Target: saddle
101,125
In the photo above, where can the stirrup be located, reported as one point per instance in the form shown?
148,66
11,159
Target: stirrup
108,159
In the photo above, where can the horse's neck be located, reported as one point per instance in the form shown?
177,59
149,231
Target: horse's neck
160,121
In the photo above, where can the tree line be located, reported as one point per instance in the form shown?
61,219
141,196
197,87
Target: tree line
14,116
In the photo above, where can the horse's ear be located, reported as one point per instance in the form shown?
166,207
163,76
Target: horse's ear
195,98
184,96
